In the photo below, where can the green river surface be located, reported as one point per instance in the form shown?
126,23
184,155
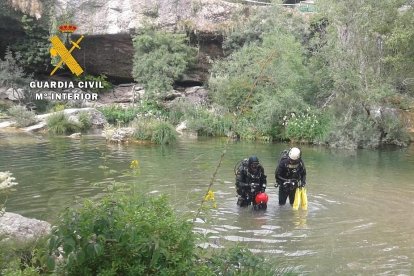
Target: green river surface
359,221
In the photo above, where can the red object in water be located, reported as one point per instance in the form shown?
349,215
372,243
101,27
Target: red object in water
261,198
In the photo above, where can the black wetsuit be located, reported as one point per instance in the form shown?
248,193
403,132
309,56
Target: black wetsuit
293,172
245,178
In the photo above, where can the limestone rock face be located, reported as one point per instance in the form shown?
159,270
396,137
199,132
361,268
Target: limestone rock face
31,7
109,54
127,94
18,228
197,95
108,25
103,17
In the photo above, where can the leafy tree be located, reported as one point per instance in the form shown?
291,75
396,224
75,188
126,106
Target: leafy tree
34,47
266,59
265,80
399,53
12,76
273,19
353,48
349,69
160,58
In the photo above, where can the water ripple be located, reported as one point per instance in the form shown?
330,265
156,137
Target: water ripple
359,220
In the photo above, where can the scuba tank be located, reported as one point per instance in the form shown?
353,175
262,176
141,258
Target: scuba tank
254,195
240,165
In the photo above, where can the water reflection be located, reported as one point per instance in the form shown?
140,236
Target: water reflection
299,219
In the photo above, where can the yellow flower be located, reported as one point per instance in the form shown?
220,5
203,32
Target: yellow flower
134,164
209,196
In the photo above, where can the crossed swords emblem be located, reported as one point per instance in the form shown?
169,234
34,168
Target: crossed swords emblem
58,48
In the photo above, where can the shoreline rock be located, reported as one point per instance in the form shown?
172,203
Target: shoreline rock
15,227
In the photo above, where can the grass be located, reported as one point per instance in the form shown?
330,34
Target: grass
59,124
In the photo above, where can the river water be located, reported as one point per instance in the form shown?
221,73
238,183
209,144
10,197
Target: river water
359,220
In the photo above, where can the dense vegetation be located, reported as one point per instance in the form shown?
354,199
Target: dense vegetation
333,78
338,77
160,58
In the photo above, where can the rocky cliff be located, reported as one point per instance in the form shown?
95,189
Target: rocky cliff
108,26
33,8
98,17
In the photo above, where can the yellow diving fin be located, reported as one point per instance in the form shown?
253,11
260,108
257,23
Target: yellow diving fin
303,199
297,200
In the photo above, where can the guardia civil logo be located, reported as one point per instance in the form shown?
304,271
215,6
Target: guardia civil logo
59,49
62,50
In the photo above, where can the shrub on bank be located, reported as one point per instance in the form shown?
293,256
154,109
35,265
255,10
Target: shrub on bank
239,261
156,131
164,133
143,129
23,259
160,58
307,127
362,131
85,122
115,114
5,105
206,123
123,236
22,116
59,124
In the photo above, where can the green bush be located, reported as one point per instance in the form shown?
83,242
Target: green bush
163,133
59,124
154,130
394,131
85,122
177,112
33,46
42,106
151,108
360,132
103,79
22,116
143,129
160,58
23,258
262,22
307,127
270,75
245,129
206,123
5,105
115,114
123,236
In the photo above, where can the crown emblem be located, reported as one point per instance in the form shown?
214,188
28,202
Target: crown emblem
66,28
